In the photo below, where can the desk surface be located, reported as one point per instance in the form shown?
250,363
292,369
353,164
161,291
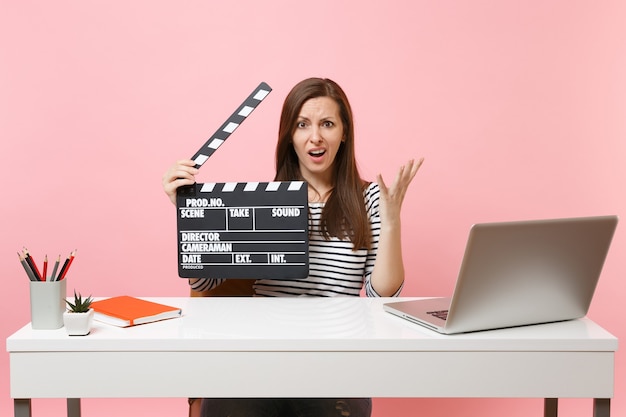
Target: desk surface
311,347
297,324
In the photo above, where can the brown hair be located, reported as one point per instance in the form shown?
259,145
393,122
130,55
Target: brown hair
344,213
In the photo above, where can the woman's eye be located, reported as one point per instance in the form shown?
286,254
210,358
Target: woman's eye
328,124
301,125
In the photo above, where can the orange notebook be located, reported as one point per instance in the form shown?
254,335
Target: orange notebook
124,311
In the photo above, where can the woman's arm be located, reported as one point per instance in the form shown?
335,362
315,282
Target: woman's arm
388,273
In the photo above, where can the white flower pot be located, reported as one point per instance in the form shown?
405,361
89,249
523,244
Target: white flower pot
78,324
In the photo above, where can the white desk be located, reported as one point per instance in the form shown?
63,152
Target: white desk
287,347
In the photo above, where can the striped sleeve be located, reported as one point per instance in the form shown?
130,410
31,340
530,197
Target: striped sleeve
204,284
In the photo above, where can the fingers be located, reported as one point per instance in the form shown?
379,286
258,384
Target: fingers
398,188
183,169
381,184
181,173
409,170
416,166
405,175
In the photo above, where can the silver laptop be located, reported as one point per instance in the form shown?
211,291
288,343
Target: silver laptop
519,273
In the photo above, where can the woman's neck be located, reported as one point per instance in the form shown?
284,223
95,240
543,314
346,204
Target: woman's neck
319,189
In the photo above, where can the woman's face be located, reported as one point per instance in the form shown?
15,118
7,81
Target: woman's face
317,137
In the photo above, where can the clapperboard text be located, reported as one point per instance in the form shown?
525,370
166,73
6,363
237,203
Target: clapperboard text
243,230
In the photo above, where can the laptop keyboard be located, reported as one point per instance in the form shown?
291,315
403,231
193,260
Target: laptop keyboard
440,314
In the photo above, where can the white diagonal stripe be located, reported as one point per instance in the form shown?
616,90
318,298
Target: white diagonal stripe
229,187
207,187
295,185
201,159
260,95
245,111
251,186
230,127
215,143
272,186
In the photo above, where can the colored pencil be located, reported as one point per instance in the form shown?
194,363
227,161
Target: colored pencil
63,268
29,272
32,264
54,270
71,259
45,269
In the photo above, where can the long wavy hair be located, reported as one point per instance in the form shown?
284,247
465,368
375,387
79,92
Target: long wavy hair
344,214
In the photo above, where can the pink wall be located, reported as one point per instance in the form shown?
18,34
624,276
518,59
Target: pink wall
518,107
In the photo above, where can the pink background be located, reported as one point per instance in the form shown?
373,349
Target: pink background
518,107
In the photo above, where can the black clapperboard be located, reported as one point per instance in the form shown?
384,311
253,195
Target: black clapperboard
242,229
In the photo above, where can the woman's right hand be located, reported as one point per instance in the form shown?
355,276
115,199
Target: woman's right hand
181,173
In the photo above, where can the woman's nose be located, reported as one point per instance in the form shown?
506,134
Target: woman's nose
316,136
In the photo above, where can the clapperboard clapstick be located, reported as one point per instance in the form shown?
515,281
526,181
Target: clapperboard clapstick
232,123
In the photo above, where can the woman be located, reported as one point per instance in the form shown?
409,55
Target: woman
354,225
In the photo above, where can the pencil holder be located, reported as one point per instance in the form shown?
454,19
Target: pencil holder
47,304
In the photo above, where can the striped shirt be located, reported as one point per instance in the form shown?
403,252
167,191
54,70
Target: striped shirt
335,269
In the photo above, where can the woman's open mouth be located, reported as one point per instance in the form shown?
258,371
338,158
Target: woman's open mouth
317,153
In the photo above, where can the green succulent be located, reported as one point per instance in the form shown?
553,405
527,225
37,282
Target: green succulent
80,305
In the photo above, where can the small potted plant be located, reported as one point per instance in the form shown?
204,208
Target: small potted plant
79,316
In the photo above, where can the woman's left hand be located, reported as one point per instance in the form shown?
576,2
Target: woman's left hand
391,198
